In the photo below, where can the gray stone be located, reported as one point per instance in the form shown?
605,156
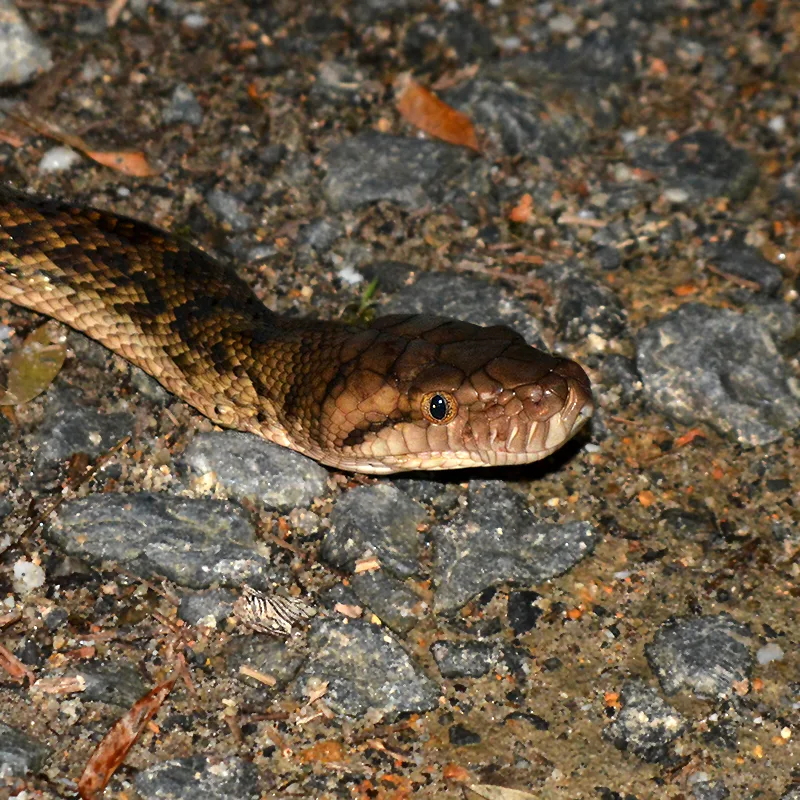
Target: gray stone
496,539
196,543
396,604
366,669
70,428
746,262
183,107
465,297
247,466
701,364
116,682
373,166
22,53
465,659
523,123
20,753
704,655
375,520
265,654
703,164
199,608
230,210
198,776
646,724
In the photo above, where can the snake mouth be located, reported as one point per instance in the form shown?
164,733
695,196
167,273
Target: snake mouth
525,443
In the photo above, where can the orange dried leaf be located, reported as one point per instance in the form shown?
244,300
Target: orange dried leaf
689,437
685,289
426,111
455,772
129,162
34,366
522,210
646,498
111,752
325,752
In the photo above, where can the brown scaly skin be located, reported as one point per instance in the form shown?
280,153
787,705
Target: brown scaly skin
352,398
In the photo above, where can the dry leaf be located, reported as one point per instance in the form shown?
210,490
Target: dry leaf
488,791
129,162
325,752
111,752
14,667
34,366
689,437
62,685
261,677
426,111
523,210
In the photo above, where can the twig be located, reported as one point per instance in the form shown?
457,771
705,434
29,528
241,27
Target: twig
73,486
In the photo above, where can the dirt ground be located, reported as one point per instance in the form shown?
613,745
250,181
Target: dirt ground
277,87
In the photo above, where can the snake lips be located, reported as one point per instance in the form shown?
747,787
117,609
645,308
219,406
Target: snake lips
406,393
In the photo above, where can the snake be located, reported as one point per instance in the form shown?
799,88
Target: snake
406,392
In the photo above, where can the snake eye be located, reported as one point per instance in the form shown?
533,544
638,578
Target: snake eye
439,407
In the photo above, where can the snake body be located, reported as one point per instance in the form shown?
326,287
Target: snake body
408,392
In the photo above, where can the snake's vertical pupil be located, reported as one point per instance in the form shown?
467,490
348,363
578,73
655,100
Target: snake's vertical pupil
438,407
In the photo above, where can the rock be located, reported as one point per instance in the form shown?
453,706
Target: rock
464,297
373,166
320,234
264,654
645,725
70,428
116,682
199,776
20,753
207,608
704,655
702,164
250,467
366,669
59,159
183,107
23,55
462,736
390,599
465,659
230,210
701,364
736,258
522,123
523,611
195,543
583,307
496,539
375,520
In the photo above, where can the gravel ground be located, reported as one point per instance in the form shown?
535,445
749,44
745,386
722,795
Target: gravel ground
618,622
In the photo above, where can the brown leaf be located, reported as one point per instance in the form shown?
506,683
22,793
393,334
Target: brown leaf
489,791
62,685
111,752
324,752
129,162
34,366
422,108
523,210
14,667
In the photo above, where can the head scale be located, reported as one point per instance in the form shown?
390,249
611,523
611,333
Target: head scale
431,393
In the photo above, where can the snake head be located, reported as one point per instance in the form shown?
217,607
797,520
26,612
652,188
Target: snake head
432,393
